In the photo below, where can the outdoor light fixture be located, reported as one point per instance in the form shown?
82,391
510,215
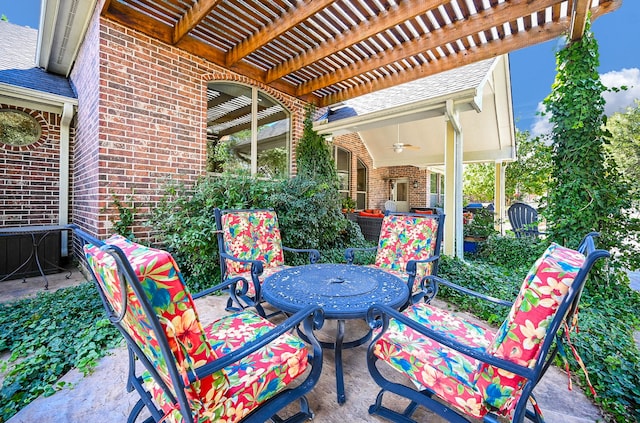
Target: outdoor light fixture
415,184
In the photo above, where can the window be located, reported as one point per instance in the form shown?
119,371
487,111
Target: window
361,185
17,128
436,183
343,166
247,131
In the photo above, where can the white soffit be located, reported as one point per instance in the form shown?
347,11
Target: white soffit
63,24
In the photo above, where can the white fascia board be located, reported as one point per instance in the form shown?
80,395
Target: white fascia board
405,113
34,99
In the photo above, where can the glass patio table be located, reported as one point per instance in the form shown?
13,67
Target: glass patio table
344,291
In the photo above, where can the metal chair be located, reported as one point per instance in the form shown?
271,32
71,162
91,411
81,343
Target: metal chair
409,247
524,220
238,368
464,371
251,247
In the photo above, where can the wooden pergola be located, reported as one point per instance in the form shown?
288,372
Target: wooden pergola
328,51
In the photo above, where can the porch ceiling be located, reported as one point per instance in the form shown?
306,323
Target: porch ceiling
328,51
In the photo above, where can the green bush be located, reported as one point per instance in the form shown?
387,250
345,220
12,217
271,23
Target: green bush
185,222
511,252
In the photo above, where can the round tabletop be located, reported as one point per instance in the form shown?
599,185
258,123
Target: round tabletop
344,291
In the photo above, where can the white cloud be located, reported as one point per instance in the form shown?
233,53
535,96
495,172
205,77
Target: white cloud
618,102
541,125
615,101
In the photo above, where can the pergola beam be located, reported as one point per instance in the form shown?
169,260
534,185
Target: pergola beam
579,15
275,29
192,18
477,54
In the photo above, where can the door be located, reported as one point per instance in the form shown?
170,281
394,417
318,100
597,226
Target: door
401,195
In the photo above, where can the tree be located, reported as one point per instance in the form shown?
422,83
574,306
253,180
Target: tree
587,192
313,156
625,144
478,182
530,174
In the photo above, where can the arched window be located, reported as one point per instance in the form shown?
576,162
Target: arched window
247,131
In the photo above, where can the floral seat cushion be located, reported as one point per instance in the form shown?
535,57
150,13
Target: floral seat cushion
471,386
429,364
225,396
254,379
404,238
251,235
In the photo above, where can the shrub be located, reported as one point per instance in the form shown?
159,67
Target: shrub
511,252
185,222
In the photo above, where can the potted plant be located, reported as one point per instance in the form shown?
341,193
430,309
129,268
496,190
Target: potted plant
348,205
478,226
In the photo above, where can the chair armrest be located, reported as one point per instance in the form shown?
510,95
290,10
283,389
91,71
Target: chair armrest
434,281
349,253
257,267
312,319
314,255
228,283
412,265
378,317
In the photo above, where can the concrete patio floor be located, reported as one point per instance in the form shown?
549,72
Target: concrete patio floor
102,397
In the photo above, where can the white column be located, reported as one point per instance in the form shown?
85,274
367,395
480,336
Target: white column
453,183
254,131
499,200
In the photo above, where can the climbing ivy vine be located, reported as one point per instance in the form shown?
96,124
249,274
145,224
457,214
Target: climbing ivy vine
587,192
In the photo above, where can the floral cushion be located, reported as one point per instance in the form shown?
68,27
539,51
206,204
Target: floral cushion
520,336
427,363
404,238
251,235
172,302
255,378
471,386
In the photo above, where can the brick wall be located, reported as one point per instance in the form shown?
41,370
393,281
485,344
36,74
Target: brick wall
30,175
144,121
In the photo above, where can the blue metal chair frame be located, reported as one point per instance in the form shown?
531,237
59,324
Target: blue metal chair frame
310,318
412,265
524,220
379,316
238,297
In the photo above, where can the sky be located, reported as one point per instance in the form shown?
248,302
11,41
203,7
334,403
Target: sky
533,69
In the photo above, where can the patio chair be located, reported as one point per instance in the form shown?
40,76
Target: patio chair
250,247
408,247
238,368
464,371
524,220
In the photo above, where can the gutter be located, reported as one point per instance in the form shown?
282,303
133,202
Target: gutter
63,192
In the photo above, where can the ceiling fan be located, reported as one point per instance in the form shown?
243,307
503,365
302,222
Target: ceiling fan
399,147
